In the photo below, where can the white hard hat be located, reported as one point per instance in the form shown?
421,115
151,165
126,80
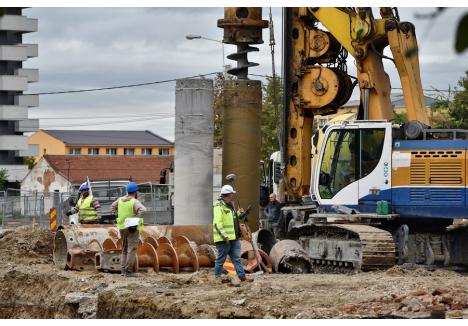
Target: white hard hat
227,189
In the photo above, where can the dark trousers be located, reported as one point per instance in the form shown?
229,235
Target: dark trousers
233,250
274,228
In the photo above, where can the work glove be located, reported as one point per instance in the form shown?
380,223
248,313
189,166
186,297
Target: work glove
69,213
226,240
244,214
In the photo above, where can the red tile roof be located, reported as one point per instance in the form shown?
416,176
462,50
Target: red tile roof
103,168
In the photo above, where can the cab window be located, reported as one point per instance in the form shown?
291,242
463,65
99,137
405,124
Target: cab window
372,141
350,154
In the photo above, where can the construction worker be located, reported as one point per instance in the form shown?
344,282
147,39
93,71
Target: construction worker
273,212
226,233
127,207
87,207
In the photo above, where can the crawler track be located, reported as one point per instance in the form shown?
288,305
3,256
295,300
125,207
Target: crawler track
346,248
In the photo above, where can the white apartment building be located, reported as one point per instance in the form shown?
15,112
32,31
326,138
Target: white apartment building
14,105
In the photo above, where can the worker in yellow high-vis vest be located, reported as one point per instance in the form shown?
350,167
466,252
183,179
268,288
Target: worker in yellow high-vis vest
226,233
87,207
129,207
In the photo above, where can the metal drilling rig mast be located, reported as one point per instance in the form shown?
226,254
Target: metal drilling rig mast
243,106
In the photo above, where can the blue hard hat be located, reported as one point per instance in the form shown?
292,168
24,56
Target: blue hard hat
132,187
84,186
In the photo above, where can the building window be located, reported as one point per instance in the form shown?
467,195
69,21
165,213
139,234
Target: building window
146,151
164,151
111,151
93,151
129,151
75,151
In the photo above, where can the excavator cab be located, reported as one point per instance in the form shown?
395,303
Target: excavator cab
353,166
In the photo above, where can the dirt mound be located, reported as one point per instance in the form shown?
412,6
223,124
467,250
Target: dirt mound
396,271
27,244
418,302
418,271
32,294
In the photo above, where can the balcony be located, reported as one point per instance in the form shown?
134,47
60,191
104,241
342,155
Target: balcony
16,172
33,150
13,143
32,50
30,101
13,83
12,112
29,125
13,52
18,23
32,75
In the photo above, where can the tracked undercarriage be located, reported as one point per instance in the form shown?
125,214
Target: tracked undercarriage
345,248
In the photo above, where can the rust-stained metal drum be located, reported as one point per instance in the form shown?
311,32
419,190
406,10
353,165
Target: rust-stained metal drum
242,139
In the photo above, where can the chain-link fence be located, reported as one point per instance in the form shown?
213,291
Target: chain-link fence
20,208
159,204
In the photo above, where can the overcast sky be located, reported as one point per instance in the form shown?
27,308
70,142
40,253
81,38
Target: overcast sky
99,47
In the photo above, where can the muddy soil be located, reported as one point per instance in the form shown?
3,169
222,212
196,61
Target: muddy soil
31,287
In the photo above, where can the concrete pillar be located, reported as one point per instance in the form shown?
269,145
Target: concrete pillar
193,166
241,141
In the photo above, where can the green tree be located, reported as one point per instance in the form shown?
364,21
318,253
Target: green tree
440,108
30,161
458,108
218,107
401,118
270,117
453,111
3,179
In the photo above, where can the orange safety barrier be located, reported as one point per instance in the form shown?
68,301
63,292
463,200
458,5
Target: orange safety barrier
229,267
53,219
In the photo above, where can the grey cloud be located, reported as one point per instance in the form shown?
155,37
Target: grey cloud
97,47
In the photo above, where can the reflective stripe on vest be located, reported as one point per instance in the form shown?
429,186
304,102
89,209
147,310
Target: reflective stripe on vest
124,210
86,211
223,219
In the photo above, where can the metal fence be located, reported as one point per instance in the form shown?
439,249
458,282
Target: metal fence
17,208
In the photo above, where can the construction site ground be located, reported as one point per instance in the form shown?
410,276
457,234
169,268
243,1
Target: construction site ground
31,287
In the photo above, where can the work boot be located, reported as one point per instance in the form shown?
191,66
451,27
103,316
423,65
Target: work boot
235,281
223,278
245,279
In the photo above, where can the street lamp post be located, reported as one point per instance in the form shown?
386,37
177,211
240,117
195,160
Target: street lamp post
195,37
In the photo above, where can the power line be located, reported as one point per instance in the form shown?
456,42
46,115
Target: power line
107,122
399,88
266,76
435,90
175,79
119,86
107,116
